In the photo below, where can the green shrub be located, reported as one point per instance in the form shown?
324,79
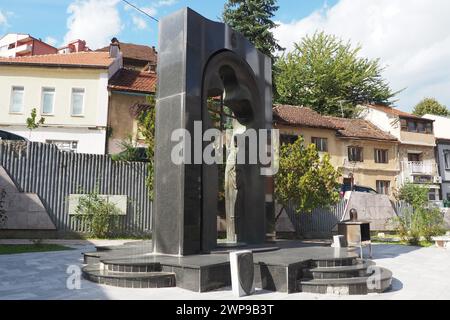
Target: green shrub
100,216
431,223
420,219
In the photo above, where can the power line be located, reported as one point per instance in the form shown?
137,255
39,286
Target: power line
140,10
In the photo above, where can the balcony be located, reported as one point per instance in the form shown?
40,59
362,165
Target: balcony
24,48
423,172
419,167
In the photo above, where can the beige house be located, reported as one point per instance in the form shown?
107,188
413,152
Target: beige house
126,89
416,145
366,155
69,90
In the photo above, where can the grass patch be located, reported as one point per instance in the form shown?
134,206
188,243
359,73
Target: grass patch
27,248
424,244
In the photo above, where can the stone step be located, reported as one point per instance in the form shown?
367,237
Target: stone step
357,270
132,266
129,279
91,257
334,262
379,282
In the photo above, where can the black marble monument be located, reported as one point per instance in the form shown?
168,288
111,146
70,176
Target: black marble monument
198,59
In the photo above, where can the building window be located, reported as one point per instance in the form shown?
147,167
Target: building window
68,146
416,126
383,187
288,139
414,157
432,195
381,156
448,196
321,144
355,154
77,102
447,159
17,94
48,100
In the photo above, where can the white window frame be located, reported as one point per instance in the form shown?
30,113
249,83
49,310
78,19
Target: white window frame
384,186
351,153
42,101
323,143
71,102
73,145
12,99
380,154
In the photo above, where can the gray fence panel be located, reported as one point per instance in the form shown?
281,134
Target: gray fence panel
53,175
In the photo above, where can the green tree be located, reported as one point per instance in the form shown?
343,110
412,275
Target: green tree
304,179
431,106
328,75
32,123
253,18
145,115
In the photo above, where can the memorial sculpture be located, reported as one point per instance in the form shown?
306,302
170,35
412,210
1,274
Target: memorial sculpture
234,186
201,59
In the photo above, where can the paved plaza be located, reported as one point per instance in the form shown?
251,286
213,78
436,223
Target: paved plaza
419,273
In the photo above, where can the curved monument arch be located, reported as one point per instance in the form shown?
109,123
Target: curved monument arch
198,57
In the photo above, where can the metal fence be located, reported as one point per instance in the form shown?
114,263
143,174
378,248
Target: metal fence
319,223
53,175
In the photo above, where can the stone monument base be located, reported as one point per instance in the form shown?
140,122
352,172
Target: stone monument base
288,267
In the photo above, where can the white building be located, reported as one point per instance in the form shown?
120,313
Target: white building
69,90
19,45
417,145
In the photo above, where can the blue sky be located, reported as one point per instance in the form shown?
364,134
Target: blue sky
410,37
47,19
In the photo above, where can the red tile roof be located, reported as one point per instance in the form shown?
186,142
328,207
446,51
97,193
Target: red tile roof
100,60
135,51
360,129
346,128
133,81
392,111
300,116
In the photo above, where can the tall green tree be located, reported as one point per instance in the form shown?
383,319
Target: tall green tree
304,179
329,76
253,18
431,106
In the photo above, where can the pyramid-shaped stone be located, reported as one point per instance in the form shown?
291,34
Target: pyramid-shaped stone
24,211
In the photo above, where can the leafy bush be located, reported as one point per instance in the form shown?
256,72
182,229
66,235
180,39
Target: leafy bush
419,220
304,179
100,216
431,223
414,195
145,115
130,151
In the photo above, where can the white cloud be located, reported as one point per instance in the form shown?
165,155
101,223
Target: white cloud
95,21
163,3
139,22
150,10
411,38
3,19
51,41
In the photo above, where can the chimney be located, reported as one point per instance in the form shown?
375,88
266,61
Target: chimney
114,48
